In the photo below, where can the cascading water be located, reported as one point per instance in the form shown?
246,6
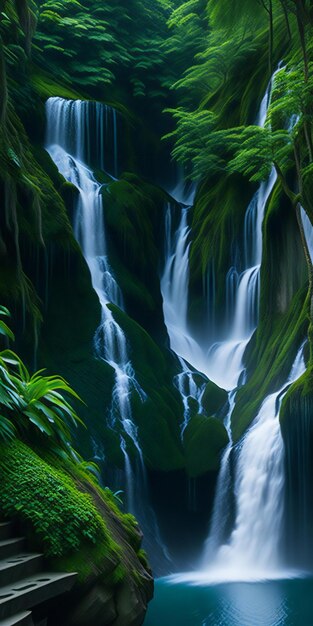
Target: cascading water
67,128
175,280
221,512
252,549
189,390
254,543
222,360
174,288
78,132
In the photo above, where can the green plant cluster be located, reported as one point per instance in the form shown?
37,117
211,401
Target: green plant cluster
95,44
49,501
33,406
208,142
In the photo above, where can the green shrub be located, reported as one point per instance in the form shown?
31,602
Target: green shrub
63,517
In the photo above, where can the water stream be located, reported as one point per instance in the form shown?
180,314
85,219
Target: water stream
248,546
221,361
78,132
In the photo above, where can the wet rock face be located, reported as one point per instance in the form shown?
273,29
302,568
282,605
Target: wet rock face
101,606
124,606
97,607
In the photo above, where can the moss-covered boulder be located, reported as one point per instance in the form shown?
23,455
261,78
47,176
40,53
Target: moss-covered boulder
79,528
214,398
159,416
204,439
134,214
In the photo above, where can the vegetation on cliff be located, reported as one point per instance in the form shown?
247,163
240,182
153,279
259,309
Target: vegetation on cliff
195,73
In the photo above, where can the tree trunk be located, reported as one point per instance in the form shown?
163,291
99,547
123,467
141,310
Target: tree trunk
301,14
285,11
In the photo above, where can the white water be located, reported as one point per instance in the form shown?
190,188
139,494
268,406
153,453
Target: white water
77,131
221,361
175,281
221,512
259,484
174,288
252,551
190,390
67,128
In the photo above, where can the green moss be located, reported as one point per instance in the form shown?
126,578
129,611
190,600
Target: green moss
159,417
49,501
284,334
47,86
67,515
213,399
299,393
204,439
134,214
217,220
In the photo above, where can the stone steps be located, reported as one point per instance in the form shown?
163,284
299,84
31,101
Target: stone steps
33,590
11,547
23,582
19,566
22,619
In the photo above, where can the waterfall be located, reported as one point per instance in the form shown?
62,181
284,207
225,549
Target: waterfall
174,289
220,361
253,547
252,550
68,129
175,281
249,547
221,512
79,132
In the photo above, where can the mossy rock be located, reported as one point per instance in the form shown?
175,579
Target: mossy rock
64,511
134,215
269,363
284,311
159,417
214,398
77,525
216,230
47,86
204,440
47,499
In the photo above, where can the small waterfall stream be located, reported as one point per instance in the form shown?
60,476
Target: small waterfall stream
78,132
308,231
67,129
259,483
174,288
